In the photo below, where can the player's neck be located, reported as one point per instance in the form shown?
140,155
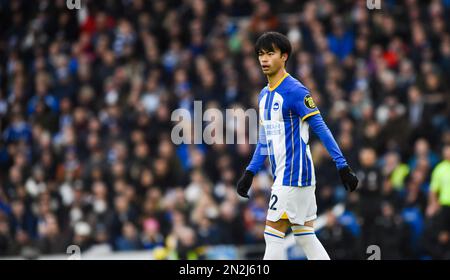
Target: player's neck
275,78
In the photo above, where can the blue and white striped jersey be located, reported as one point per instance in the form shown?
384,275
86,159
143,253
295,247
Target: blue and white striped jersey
284,133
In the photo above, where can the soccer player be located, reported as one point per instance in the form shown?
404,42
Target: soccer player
286,111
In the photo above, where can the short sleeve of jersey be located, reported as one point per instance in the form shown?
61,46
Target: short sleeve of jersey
302,102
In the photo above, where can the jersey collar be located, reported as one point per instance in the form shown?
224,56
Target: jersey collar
278,83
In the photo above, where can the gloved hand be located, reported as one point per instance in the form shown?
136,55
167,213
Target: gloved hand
244,183
348,178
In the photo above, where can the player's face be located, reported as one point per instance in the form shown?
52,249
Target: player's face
271,61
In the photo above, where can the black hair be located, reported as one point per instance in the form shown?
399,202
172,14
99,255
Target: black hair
269,40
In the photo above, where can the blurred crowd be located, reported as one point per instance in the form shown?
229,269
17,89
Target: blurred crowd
86,98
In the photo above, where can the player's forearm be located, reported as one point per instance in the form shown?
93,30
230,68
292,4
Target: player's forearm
259,156
323,132
433,199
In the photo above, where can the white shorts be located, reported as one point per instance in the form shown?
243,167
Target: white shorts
298,204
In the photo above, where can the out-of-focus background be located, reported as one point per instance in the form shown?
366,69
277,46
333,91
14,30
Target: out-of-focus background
86,98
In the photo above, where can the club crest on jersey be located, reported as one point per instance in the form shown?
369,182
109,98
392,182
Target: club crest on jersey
276,106
309,102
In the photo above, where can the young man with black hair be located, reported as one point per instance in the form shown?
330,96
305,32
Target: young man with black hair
286,111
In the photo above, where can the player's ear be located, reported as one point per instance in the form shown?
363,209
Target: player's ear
284,57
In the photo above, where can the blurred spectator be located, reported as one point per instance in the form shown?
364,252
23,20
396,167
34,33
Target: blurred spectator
6,240
183,244
370,192
230,224
422,151
440,189
207,232
391,234
335,239
439,248
129,239
151,236
51,240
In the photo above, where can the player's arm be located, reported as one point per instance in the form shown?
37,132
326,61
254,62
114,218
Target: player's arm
435,186
326,137
322,131
304,106
256,163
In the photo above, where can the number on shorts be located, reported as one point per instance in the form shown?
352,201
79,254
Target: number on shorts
275,199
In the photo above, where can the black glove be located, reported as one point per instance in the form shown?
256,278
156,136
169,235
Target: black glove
348,178
245,183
